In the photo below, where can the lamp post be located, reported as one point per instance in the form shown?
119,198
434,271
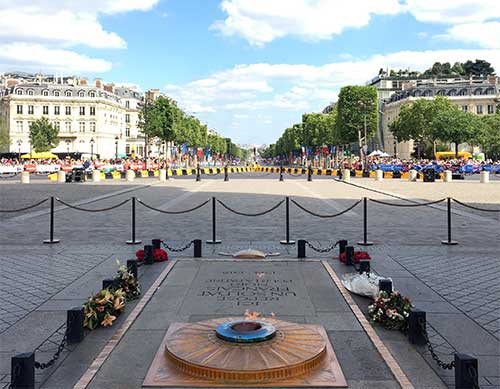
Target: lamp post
92,149
365,106
116,147
19,142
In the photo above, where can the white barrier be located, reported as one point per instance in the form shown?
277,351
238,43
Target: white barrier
412,175
10,169
25,177
379,175
163,175
484,177
346,175
447,176
96,175
61,177
130,175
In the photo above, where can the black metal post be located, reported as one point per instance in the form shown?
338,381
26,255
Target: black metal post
226,175
301,248
107,283
365,241
416,327
309,173
156,243
133,240
281,171
148,254
198,175
52,210
466,372
349,255
385,286
449,242
132,267
74,325
197,248
214,225
22,371
342,245
287,218
364,266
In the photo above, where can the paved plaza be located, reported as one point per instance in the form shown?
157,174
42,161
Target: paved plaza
457,286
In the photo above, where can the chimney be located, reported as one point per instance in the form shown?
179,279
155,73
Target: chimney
98,83
83,81
109,88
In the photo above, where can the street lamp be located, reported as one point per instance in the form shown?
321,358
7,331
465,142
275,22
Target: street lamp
116,147
19,142
92,149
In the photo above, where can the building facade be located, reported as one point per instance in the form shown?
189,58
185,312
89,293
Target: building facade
94,119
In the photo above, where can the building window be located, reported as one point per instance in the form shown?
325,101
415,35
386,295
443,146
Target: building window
491,109
127,132
127,118
82,126
56,93
68,110
140,149
30,92
45,110
19,92
92,94
57,110
465,108
92,111
30,110
92,126
45,92
57,125
68,93
20,109
82,111
19,126
479,109
127,148
127,104
68,126
81,94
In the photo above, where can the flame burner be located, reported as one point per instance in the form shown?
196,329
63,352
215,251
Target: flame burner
245,331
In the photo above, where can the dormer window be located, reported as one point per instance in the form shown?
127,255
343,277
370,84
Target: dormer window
30,92
45,92
92,94
56,93
81,94
68,93
19,92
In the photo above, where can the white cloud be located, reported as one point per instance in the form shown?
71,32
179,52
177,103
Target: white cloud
241,116
262,21
482,34
34,56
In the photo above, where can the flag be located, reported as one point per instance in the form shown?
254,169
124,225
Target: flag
303,151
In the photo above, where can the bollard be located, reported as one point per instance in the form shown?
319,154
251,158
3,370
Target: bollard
349,255
214,225
309,173
281,172
148,254
346,175
226,175
287,223
301,248
162,176
385,286
447,176
412,175
51,240
466,372
96,175
365,241
107,283
364,266
342,243
197,248
130,175
416,321
156,243
379,175
61,176
25,177
133,240
449,242
23,371
366,174
74,325
198,174
132,267
484,177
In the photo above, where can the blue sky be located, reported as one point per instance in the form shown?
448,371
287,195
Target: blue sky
248,68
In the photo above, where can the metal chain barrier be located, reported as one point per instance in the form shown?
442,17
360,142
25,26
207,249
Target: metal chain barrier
250,214
476,208
178,249
173,212
435,357
60,348
325,216
407,205
92,210
23,209
321,249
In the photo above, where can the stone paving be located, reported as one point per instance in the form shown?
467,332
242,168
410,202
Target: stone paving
458,286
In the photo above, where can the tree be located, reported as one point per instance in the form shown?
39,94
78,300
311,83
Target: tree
458,69
489,136
43,135
4,136
454,125
480,68
353,103
161,119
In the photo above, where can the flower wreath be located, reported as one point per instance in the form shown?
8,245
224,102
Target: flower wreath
358,256
159,255
391,310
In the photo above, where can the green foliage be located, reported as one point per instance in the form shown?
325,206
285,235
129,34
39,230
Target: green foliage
161,119
477,68
354,102
217,144
4,136
43,135
488,137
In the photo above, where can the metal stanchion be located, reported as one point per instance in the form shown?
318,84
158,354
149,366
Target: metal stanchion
226,175
416,327
365,241
349,255
156,243
301,248
449,242
51,240
342,246
309,173
107,283
148,254
281,171
214,225
133,240
466,372
385,286
287,241
198,174
197,248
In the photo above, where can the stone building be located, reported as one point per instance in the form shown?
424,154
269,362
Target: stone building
97,118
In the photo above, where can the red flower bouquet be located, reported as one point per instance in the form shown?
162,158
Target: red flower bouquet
358,256
139,254
159,255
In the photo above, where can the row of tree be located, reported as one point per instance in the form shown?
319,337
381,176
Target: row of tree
477,68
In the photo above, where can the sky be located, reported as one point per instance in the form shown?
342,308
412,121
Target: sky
247,68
